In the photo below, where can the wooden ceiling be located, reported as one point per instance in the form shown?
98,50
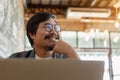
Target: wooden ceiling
59,7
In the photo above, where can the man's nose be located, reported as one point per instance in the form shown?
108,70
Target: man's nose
55,34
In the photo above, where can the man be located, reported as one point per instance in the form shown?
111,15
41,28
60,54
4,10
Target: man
43,34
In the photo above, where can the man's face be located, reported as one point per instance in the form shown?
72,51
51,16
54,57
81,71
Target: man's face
45,38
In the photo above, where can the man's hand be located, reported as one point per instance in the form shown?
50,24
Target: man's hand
62,47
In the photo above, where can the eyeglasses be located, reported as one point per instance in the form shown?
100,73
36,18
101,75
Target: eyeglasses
49,27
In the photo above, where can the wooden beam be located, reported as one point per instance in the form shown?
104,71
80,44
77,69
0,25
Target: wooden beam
88,3
80,2
69,2
93,2
108,2
97,3
50,2
60,3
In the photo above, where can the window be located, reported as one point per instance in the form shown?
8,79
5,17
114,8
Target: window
115,39
96,55
69,37
116,63
85,40
101,40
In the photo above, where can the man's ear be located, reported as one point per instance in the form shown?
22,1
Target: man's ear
31,35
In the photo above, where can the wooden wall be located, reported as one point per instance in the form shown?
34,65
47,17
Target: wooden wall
82,26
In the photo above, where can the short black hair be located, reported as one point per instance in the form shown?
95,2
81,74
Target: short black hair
34,21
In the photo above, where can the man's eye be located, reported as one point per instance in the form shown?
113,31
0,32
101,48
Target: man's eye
49,26
57,28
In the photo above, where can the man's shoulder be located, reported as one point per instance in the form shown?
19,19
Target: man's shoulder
23,54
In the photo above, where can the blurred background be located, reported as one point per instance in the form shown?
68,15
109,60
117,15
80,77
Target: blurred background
92,27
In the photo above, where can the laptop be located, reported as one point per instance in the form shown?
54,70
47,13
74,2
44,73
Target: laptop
56,69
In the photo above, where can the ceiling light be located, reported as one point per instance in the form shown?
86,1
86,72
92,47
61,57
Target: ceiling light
119,16
116,39
117,5
106,32
117,24
97,30
97,20
105,43
92,32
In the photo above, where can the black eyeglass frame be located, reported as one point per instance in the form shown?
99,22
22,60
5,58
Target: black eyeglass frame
49,27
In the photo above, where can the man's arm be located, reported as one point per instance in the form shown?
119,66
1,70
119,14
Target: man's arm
64,48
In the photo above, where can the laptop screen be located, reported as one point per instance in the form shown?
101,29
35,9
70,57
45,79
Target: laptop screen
56,69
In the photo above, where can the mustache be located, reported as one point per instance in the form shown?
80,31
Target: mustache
49,36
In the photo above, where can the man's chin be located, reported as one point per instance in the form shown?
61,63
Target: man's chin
51,46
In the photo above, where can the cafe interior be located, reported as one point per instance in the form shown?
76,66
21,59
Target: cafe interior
91,27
